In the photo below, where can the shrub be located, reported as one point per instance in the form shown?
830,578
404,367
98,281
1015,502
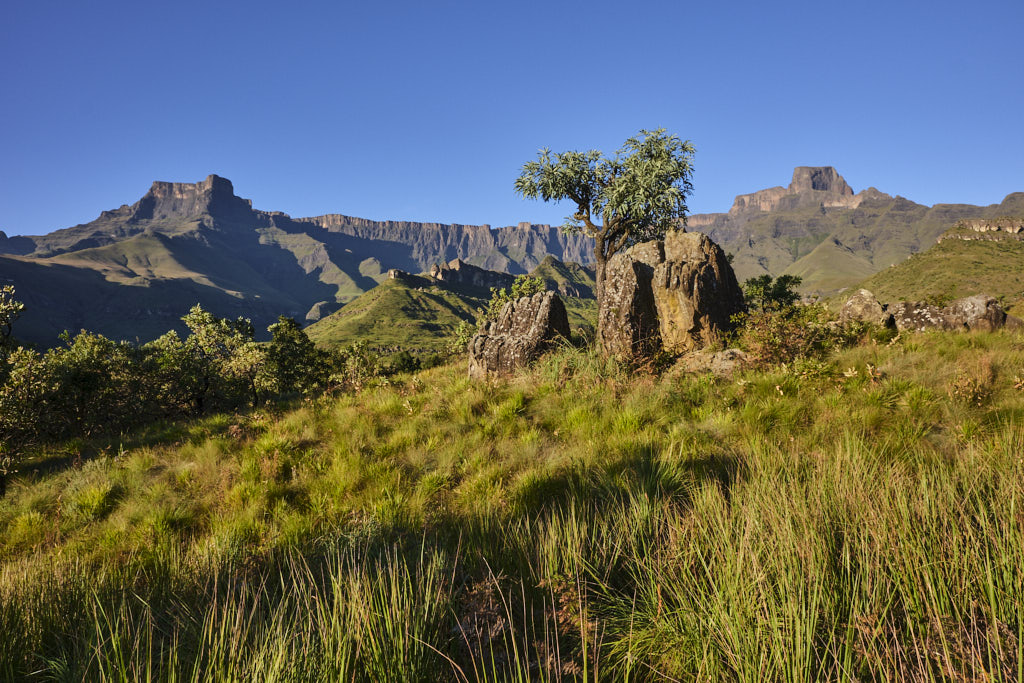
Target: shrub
781,335
524,285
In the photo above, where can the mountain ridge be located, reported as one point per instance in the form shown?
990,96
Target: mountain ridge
183,243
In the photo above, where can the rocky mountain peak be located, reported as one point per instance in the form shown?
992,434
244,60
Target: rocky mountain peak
811,185
214,196
820,179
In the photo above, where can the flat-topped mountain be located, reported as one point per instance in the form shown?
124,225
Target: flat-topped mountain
819,229
135,270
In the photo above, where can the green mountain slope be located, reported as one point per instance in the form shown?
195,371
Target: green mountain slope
955,268
413,313
420,313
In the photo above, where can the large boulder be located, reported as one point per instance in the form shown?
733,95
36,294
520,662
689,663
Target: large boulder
525,329
677,294
863,306
627,317
978,312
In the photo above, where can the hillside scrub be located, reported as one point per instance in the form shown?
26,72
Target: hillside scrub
853,516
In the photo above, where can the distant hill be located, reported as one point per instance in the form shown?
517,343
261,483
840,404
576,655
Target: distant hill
964,262
419,312
134,271
819,229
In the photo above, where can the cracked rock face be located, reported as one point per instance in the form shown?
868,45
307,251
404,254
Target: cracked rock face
678,294
525,329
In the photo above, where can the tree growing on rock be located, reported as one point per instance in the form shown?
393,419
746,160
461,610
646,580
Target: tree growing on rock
635,196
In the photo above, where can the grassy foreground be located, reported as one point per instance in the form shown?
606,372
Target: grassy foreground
855,519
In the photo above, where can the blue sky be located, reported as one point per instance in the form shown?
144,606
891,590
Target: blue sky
426,111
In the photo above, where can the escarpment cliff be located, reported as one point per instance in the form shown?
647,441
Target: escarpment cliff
137,269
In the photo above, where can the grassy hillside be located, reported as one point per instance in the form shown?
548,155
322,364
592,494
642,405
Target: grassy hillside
419,313
955,268
858,518
415,314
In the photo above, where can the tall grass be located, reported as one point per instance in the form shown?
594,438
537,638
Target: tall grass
861,520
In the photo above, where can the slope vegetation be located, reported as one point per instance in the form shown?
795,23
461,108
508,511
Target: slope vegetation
857,518
955,268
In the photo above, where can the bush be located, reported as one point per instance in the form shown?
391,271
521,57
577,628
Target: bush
781,335
523,285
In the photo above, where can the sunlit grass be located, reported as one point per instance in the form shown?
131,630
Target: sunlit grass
854,520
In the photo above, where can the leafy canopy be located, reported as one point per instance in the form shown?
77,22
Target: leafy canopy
638,194
769,294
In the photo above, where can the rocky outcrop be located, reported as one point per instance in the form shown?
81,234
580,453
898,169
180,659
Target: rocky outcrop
978,312
524,330
996,230
459,273
821,185
819,179
627,315
678,294
864,307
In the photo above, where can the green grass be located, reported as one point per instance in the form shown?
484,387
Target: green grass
416,317
860,519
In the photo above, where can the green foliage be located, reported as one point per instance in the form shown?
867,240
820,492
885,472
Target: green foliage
10,310
93,385
776,334
522,286
354,367
458,341
769,294
215,367
634,196
294,364
838,518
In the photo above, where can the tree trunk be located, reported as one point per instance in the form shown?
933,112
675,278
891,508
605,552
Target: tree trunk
600,265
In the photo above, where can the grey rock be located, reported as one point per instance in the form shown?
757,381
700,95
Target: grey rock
863,306
627,318
978,312
719,363
525,329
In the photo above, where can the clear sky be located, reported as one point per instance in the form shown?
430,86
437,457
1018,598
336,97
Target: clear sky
426,110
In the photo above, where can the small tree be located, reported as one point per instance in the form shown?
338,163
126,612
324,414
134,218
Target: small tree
294,364
10,309
771,295
635,196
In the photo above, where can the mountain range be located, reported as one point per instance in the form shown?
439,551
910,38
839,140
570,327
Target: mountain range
135,270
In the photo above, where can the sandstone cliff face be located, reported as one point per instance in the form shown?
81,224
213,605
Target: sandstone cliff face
810,185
